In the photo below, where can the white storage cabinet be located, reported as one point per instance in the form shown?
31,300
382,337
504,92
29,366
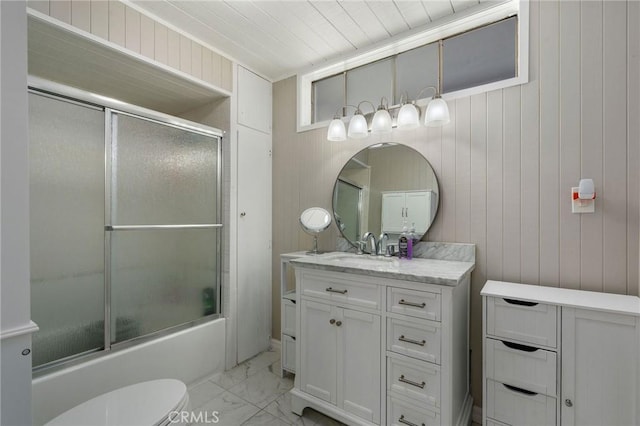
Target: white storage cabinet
560,357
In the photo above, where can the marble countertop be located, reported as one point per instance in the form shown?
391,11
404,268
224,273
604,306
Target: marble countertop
432,271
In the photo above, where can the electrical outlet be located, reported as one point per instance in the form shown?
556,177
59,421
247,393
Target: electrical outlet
581,206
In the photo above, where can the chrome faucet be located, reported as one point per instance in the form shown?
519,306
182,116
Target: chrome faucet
369,238
382,244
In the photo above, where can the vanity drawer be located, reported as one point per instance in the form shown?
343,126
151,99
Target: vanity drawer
517,407
421,304
345,291
289,317
523,321
523,366
288,353
414,379
417,340
402,413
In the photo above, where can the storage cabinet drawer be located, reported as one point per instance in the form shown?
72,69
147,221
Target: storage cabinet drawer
414,379
523,366
523,321
421,304
288,353
402,413
417,340
344,291
515,406
289,317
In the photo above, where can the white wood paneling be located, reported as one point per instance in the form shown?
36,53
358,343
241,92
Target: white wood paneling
132,30
569,141
592,145
81,14
100,19
147,37
117,22
550,190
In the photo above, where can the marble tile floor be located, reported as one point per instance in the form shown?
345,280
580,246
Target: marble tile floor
253,393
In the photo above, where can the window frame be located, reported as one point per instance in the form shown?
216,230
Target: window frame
449,26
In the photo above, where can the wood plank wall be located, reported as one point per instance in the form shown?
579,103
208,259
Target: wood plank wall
116,22
507,161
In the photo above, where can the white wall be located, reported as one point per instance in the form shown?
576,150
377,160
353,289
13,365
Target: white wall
15,369
507,161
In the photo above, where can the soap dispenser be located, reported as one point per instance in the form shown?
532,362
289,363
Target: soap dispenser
405,244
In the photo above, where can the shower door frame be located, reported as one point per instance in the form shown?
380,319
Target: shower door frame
110,107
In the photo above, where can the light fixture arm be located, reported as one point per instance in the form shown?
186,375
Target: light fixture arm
365,102
436,93
338,116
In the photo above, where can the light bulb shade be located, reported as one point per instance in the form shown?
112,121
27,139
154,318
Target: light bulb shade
437,113
336,131
381,122
408,117
358,127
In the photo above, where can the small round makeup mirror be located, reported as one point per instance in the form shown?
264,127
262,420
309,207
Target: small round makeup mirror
314,220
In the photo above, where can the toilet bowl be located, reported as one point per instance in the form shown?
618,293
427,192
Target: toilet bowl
153,403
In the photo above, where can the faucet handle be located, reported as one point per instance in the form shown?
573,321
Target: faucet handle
390,250
359,245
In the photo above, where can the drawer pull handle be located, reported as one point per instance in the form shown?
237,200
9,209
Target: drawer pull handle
519,347
332,290
515,389
520,302
411,382
407,422
416,305
415,342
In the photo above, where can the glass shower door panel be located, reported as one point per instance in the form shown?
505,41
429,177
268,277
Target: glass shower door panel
162,174
66,172
161,278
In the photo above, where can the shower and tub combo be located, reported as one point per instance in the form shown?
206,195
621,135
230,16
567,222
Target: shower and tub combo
125,222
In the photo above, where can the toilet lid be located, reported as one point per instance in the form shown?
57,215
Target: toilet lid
146,403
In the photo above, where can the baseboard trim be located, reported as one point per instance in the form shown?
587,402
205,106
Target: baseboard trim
276,344
476,415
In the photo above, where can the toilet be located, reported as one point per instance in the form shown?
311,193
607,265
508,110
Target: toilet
153,403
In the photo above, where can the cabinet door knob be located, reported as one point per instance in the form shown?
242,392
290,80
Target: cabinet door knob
332,321
338,323
568,402
243,214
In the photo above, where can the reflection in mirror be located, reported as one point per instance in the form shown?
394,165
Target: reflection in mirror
382,189
314,220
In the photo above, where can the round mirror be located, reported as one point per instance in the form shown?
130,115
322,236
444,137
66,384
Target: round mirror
383,188
315,220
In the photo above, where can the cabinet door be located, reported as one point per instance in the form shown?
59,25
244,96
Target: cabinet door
254,242
599,368
417,210
318,350
254,101
359,364
393,210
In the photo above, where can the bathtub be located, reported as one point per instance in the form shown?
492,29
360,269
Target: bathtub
186,355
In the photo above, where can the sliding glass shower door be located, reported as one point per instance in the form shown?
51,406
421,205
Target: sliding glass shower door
125,226
164,226
66,178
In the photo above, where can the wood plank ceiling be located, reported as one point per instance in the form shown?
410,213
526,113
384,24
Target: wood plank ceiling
278,38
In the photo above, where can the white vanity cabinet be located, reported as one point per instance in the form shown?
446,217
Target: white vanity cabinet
381,351
559,356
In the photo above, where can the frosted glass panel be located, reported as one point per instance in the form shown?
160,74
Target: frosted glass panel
161,278
328,97
415,70
370,83
480,56
162,175
66,172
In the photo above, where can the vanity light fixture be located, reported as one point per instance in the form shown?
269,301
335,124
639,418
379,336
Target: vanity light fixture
408,117
381,122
